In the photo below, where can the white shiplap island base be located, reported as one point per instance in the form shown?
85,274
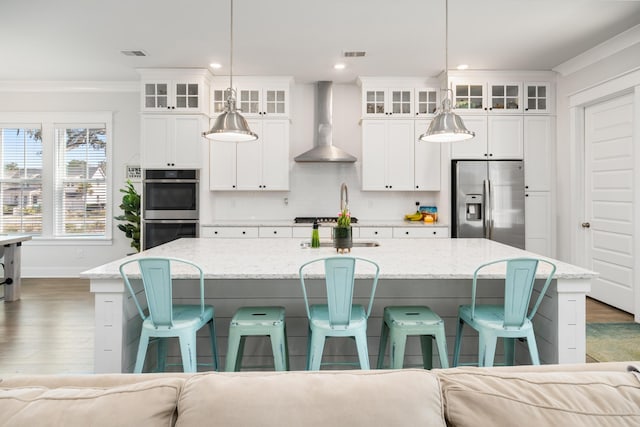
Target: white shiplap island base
243,272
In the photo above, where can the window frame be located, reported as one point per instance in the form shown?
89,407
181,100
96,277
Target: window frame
48,122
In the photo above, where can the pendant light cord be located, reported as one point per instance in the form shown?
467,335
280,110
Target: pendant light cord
231,49
446,47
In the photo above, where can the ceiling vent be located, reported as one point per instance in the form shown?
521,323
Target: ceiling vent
354,54
133,52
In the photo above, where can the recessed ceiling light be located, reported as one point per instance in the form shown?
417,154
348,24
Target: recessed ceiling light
462,67
215,65
339,66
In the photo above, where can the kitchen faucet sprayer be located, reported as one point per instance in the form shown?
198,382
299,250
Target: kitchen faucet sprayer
344,197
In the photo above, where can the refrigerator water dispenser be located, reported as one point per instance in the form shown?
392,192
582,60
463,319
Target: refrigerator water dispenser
473,204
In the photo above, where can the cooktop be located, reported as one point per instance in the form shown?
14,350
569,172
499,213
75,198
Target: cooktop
320,219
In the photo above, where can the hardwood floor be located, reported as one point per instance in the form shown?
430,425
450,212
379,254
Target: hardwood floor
50,330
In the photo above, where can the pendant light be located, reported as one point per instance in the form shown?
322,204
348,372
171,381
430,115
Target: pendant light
230,126
446,126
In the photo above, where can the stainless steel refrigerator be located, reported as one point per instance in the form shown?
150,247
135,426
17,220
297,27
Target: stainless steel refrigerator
488,200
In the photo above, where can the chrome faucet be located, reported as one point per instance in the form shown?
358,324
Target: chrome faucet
344,197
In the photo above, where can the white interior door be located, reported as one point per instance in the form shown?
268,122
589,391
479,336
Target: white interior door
609,182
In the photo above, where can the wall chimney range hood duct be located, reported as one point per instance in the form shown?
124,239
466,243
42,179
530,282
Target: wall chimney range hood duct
324,150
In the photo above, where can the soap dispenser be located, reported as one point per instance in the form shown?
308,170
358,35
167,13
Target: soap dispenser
315,235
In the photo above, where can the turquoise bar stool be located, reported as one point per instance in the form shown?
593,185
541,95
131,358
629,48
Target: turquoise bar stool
338,317
258,321
510,320
165,319
402,321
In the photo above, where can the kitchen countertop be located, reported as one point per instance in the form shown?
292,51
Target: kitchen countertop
290,223
280,258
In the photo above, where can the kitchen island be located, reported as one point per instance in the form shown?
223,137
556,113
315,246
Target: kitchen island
242,272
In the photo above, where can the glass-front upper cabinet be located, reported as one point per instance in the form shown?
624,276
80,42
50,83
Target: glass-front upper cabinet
505,97
469,97
537,96
387,102
175,90
258,97
173,96
426,102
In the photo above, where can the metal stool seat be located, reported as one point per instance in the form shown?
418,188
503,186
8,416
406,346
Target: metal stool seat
400,322
258,321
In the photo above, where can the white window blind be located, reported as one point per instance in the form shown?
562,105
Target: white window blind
80,180
21,179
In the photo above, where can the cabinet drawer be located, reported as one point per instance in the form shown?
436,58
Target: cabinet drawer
375,232
420,233
305,232
230,232
275,232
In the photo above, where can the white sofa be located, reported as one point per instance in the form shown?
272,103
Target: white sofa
605,394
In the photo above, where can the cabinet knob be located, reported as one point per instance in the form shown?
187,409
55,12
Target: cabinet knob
526,109
375,232
526,186
485,108
406,232
526,195
275,232
585,225
485,154
233,186
434,233
417,186
244,232
490,108
490,154
215,232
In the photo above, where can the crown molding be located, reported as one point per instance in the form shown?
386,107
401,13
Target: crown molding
69,86
602,51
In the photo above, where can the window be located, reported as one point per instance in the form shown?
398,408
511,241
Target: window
55,177
80,185
21,179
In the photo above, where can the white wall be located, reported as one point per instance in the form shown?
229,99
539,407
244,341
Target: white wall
604,68
67,259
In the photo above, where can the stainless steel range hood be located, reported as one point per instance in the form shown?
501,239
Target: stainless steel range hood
324,150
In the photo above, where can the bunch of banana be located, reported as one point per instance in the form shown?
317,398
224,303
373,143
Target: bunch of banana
417,216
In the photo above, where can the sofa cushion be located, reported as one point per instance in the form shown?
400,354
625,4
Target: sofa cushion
477,397
328,398
147,403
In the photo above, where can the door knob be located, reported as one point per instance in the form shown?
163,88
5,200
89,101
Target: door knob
586,225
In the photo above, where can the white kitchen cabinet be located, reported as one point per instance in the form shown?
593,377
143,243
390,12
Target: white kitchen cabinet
175,90
172,141
497,137
487,97
375,232
468,97
230,232
426,160
420,232
258,97
539,134
387,155
538,223
538,98
385,102
252,166
504,97
276,232
427,101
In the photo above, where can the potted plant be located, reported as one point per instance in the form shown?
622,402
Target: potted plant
131,207
342,236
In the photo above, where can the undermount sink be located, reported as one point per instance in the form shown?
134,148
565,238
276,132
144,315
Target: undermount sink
361,244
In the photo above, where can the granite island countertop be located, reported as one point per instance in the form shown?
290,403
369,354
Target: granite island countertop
280,258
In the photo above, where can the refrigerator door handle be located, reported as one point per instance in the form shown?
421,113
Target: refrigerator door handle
488,206
485,213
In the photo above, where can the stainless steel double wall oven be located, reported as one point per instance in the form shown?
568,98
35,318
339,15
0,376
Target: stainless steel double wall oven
170,200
